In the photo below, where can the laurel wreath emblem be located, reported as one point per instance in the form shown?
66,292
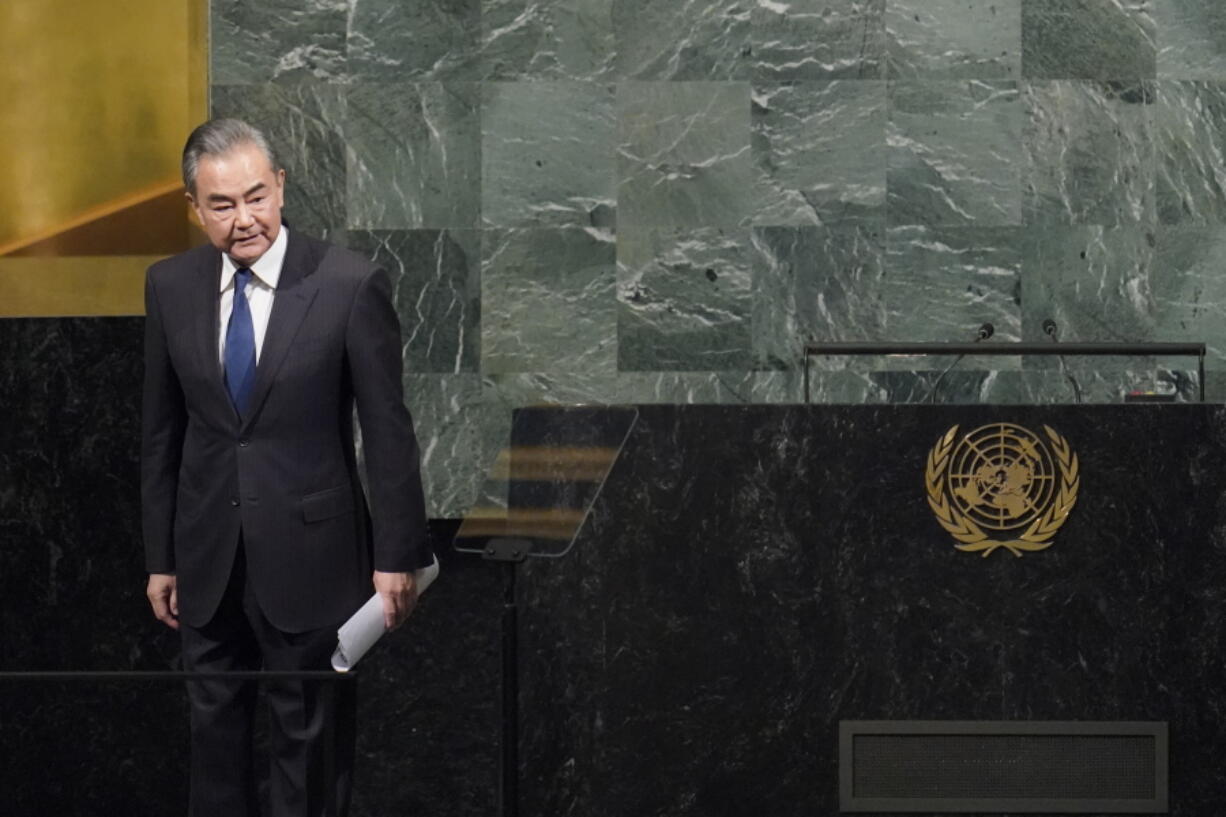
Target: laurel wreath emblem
1037,536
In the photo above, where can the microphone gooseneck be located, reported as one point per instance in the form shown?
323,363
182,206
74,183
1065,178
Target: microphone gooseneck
985,331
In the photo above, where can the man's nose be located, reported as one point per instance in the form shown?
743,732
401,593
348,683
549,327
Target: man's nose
242,216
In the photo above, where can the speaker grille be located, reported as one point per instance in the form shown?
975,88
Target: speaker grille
985,765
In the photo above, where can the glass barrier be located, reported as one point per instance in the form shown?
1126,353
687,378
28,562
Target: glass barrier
541,487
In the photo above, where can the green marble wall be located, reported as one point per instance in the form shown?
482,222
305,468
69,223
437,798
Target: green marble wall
656,201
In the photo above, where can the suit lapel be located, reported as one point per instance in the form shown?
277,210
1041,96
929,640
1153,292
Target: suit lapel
295,293
207,301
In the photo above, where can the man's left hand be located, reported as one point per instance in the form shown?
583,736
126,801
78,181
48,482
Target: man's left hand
399,593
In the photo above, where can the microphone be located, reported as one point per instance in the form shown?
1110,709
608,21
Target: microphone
1052,331
985,331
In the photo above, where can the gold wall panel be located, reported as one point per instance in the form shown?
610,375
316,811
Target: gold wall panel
84,286
98,100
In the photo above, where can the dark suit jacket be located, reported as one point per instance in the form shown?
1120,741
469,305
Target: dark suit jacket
286,475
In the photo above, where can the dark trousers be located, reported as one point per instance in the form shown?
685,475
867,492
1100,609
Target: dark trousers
239,638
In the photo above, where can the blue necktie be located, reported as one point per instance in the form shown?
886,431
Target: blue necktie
240,345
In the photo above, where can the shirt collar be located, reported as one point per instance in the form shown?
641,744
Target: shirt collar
267,269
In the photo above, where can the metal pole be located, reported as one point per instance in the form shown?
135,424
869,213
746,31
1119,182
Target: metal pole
509,788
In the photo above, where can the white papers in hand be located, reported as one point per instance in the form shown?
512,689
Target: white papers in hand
365,627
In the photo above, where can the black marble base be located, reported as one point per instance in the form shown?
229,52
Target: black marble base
751,576
427,722
72,598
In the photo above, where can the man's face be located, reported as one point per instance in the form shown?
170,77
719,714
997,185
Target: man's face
238,199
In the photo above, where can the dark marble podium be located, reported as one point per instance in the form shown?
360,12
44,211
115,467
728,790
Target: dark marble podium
747,578
750,576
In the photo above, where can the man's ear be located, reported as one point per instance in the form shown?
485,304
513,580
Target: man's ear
195,208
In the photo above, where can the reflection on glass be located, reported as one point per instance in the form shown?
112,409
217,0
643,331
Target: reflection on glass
541,487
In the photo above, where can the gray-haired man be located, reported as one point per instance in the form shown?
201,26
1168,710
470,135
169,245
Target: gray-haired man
259,541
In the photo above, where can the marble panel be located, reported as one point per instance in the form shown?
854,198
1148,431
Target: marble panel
1191,39
1084,380
830,387
72,598
711,387
1079,381
94,748
1089,153
260,41
684,155
1094,282
512,391
943,283
695,40
1190,152
819,151
459,431
547,154
402,40
1215,387
436,280
1088,39
953,150
72,561
1189,289
557,751
683,300
961,385
875,387
824,590
814,284
743,387
953,39
413,155
428,698
547,39
818,39
305,124
548,301
967,385
72,581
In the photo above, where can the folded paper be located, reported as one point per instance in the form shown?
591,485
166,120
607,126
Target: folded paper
357,635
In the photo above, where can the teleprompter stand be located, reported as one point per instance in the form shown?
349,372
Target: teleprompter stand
534,502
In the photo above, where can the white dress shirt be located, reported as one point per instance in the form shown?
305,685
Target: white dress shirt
265,273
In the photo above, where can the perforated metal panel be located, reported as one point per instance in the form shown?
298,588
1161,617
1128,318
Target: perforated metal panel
1004,766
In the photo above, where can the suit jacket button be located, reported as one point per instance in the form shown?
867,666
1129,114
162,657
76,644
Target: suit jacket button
244,443
234,501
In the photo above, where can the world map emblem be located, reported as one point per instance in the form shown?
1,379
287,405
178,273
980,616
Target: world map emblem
1002,486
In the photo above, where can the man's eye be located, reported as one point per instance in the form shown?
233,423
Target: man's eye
221,207
257,199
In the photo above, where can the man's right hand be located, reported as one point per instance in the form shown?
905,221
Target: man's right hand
163,596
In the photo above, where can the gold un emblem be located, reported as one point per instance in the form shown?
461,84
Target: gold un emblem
1002,477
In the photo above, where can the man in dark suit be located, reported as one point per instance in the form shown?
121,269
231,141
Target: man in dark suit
259,540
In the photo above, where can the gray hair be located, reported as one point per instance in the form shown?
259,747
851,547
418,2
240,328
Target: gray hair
218,137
